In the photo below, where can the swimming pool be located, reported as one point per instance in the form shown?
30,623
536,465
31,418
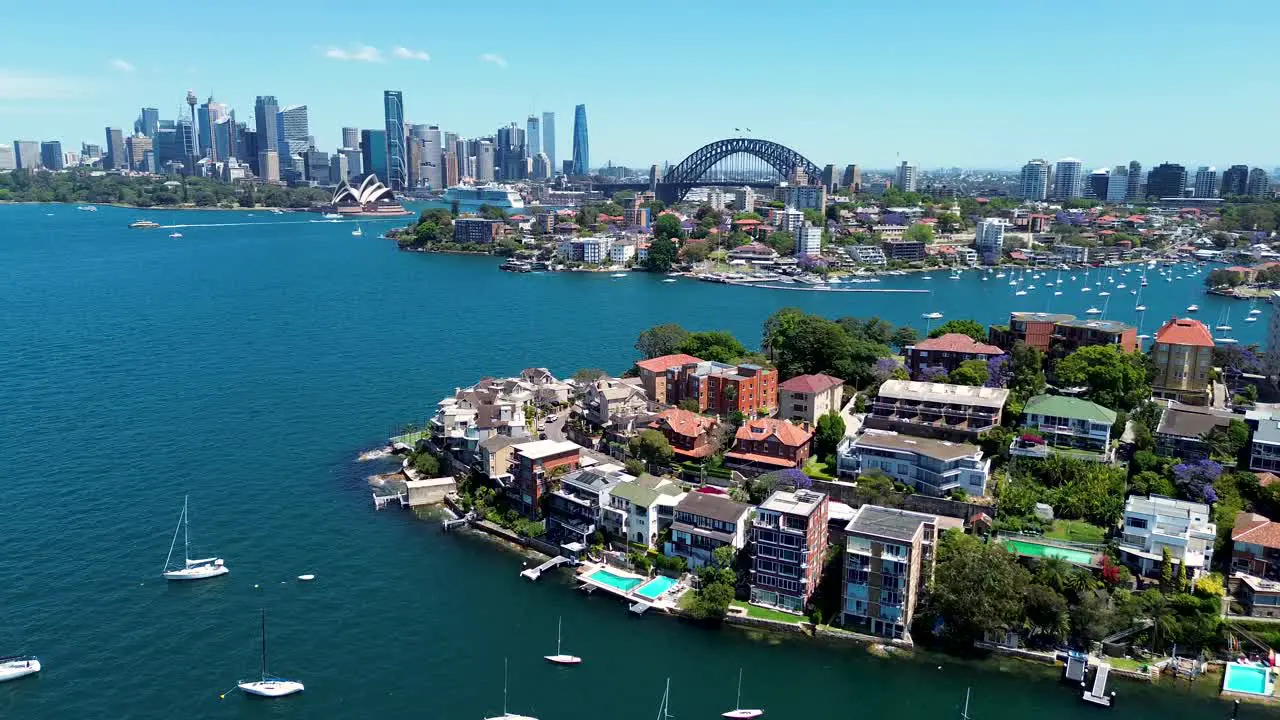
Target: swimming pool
1032,549
1248,679
654,589
618,582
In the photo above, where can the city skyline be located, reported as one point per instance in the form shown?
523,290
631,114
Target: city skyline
871,102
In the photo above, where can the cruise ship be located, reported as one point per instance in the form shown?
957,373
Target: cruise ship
499,196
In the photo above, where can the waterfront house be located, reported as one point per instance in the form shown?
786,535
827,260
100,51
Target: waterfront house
888,563
933,467
1264,446
1255,546
704,522
789,540
947,352
867,255
574,509
1182,430
805,398
1071,335
547,390
536,462
479,231
1259,596
956,412
688,433
608,399
640,509
1033,328
769,444
1154,523
493,458
754,253
654,378
1183,356
906,250
1074,426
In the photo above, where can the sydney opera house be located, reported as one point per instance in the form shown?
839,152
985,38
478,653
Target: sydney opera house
370,197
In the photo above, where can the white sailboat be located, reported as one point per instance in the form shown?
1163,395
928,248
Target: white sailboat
964,714
738,713
510,715
16,666
269,685
358,231
191,569
558,658
664,710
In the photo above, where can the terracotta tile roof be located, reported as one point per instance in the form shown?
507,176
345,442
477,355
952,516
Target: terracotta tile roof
762,459
810,383
764,428
666,362
683,422
1256,530
748,221
1185,331
958,342
1266,479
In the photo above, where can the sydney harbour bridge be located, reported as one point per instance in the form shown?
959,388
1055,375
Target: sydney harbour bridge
733,162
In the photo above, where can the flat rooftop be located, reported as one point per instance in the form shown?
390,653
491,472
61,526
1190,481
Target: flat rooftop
545,448
937,449
900,525
945,393
800,502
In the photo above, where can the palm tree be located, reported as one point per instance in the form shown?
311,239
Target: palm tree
1053,572
1164,622
1079,581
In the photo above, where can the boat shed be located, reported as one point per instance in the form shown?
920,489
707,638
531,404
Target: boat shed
430,491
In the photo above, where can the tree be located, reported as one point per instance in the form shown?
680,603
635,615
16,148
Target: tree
586,375
634,467
711,601
694,252
920,232
651,446
1111,377
714,345
1052,572
830,432
1046,612
667,227
1026,371
970,372
904,337
724,556
661,340
977,588
662,254
1166,570
782,242
489,212
689,404
972,328
426,464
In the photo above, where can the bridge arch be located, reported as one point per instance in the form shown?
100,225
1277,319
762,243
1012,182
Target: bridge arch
684,176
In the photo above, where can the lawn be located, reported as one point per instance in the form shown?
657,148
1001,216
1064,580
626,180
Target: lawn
1076,531
1127,664
817,470
761,613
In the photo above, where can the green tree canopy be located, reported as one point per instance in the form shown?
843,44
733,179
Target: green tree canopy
1112,378
783,243
667,226
651,446
919,232
972,328
714,345
829,433
661,340
977,588
970,372
662,254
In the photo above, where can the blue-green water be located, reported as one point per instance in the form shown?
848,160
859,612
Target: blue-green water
248,364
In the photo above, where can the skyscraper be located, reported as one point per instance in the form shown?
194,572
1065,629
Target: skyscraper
484,161
1096,186
851,178
137,147
51,155
1258,183
533,135
373,154
293,135
168,147
1118,184
339,168
26,154
351,138
7,160
581,154
549,138
907,177
265,108
209,113
450,168
1035,180
1068,179
148,122
116,157
1206,182
1134,192
355,163
397,164
187,136
1235,180
1167,180
510,152
541,167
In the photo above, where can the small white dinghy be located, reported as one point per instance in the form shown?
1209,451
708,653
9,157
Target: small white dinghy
306,578
269,686
558,658
16,666
739,711
191,569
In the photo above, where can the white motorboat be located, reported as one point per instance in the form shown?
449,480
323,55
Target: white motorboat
740,713
269,686
175,235
1192,308
1057,293
619,275
1255,311
927,277
1086,288
560,658
508,715
331,216
1251,318
1141,308
1093,311
16,666
306,578
1104,293
88,208
932,316
1021,292
668,280
191,569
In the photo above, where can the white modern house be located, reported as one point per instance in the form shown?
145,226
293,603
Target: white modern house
1154,523
641,508
933,467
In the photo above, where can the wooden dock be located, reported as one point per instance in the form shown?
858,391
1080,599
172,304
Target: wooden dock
534,573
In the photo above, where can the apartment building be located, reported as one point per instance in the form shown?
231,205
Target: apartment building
947,352
1183,356
888,563
1264,446
533,463
805,398
936,409
1182,430
1154,523
1071,335
1067,424
703,522
718,388
607,399
574,508
905,250
1033,328
932,467
789,537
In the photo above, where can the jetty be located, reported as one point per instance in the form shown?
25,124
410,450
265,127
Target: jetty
1077,666
381,501
534,573
1098,694
640,607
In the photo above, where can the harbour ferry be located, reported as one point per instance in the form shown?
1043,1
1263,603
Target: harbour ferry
499,196
144,224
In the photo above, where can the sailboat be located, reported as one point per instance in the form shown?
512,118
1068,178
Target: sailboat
192,569
964,714
558,658
269,685
738,712
16,666
513,716
358,231
664,710
1224,322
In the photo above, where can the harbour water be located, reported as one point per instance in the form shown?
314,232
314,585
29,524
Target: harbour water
248,364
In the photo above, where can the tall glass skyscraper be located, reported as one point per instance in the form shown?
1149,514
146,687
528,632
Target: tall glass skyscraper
373,153
533,135
549,137
209,113
393,106
148,122
265,108
581,161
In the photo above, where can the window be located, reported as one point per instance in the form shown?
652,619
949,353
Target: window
1136,522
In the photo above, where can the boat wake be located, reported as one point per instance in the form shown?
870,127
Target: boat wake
239,224
376,454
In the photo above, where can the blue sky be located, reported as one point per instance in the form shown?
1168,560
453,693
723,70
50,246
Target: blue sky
940,83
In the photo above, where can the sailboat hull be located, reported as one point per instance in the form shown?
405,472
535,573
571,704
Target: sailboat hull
563,659
198,572
271,688
14,669
738,714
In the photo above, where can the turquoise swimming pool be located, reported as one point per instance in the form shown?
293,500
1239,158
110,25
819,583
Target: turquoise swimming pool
654,589
1249,679
618,582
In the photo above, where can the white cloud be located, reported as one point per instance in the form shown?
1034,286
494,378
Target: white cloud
405,53
495,59
362,53
121,65
21,85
